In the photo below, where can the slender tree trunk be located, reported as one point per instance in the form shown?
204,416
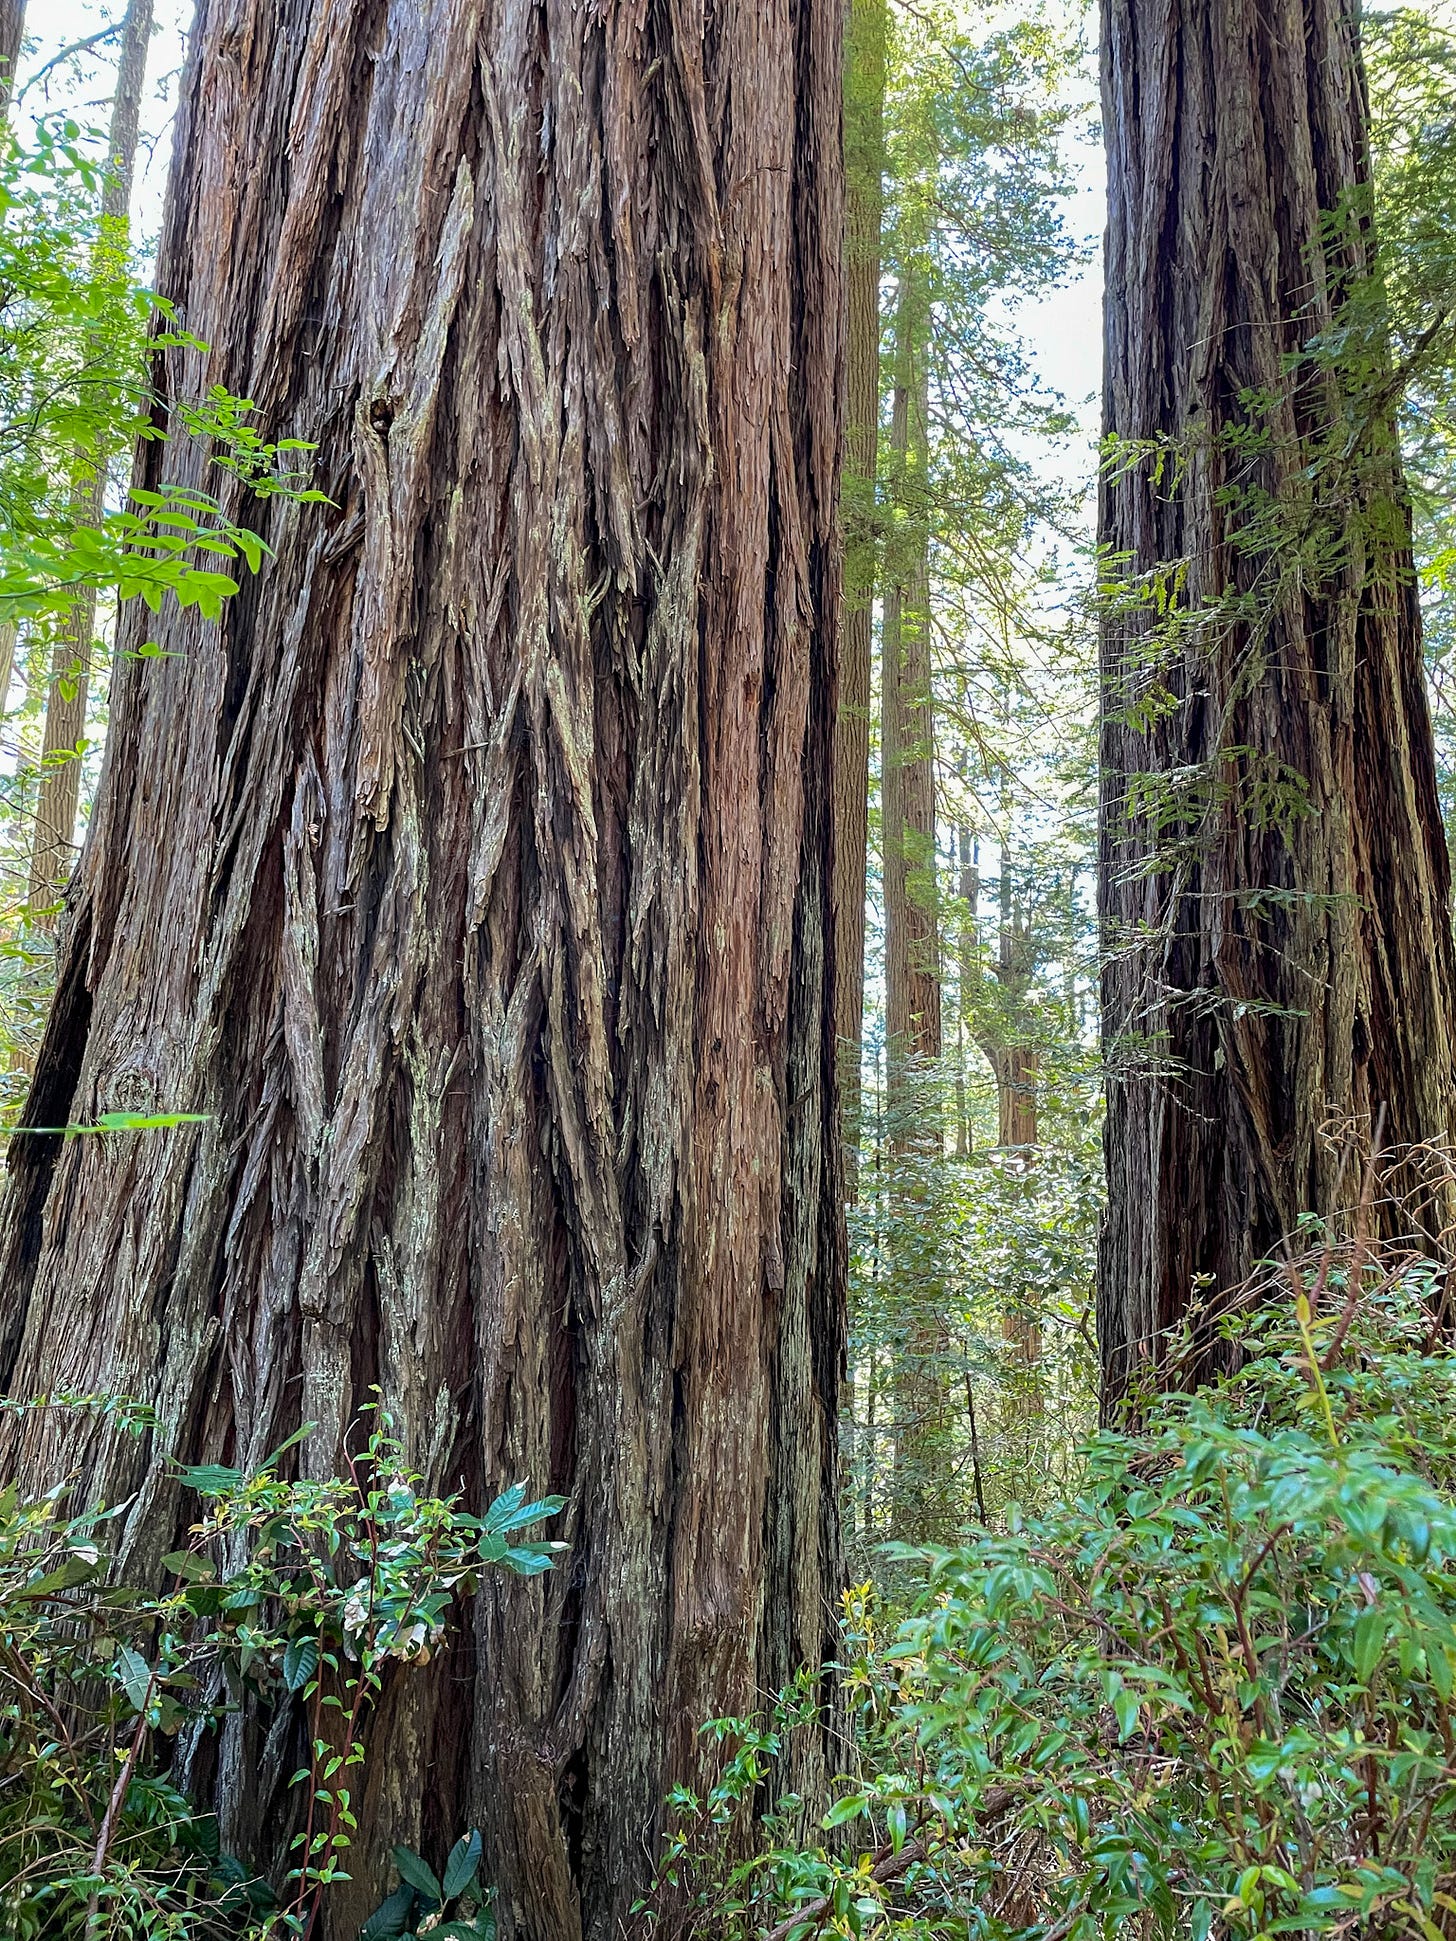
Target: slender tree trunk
69,691
1016,1063
864,161
12,33
1014,1066
907,772
9,641
1017,1068
912,966
968,889
1071,1000
1274,878
473,876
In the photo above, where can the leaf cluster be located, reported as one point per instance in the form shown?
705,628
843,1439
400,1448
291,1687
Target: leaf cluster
290,1595
1210,1693
79,341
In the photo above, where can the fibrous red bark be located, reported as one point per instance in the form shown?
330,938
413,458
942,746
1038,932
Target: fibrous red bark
473,876
1274,877
12,33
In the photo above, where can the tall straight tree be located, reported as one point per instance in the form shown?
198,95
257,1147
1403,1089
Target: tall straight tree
67,695
1274,876
864,165
912,960
473,878
907,770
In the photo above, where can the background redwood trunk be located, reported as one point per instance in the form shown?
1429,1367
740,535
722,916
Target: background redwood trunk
1274,878
912,955
12,33
907,724
864,161
474,876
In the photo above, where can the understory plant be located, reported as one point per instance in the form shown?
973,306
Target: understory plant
1210,1693
92,368
288,1594
80,344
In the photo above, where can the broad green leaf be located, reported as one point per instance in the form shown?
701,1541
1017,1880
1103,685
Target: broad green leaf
300,1434
114,1122
528,1513
461,1867
189,1566
415,1871
498,1516
212,1479
1125,1705
134,1675
300,1662
1368,1643
74,1571
392,1917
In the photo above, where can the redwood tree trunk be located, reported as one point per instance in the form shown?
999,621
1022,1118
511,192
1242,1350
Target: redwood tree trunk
12,33
474,877
912,960
864,160
907,771
1274,877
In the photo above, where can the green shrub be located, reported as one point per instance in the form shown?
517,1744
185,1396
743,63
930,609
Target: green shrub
78,340
286,1593
1211,1693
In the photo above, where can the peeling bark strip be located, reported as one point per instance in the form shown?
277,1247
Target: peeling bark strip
475,877
1270,974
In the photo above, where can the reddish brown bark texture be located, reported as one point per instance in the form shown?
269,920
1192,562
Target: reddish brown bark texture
1277,901
474,877
12,32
